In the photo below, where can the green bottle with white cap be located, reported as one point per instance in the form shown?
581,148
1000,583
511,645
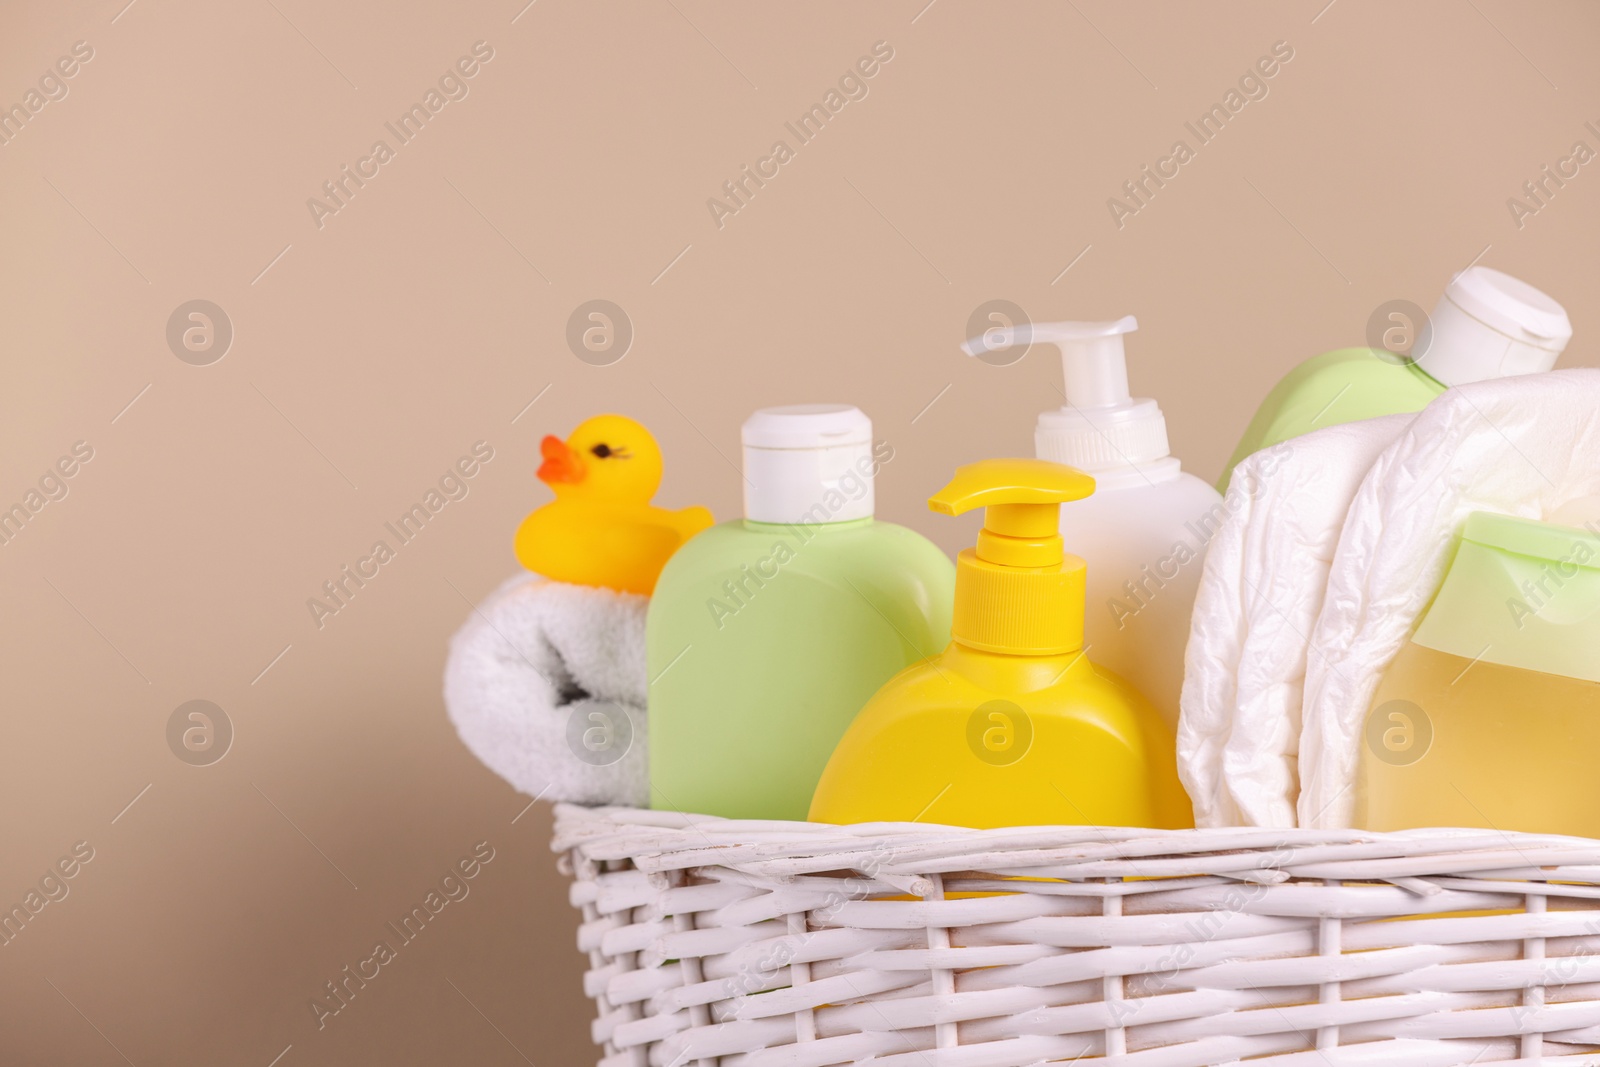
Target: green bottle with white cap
1486,325
767,634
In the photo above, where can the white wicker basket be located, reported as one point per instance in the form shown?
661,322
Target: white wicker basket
795,944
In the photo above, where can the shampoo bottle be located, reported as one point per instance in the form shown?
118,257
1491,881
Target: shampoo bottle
1490,715
1013,725
1145,531
1486,325
766,634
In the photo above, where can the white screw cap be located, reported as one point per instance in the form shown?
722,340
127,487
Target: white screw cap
1491,325
808,463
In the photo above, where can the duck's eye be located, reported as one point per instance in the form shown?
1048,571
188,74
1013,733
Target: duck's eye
601,450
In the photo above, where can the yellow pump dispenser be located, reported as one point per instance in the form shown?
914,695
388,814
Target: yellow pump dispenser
1013,724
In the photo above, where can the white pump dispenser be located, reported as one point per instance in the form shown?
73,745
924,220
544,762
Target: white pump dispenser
1145,530
1102,428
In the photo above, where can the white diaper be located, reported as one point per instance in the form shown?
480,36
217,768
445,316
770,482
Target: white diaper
1260,595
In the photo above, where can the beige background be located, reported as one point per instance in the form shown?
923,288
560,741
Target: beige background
370,353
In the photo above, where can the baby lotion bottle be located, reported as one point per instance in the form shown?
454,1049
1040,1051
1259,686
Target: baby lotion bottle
1145,531
766,634
1486,325
1490,716
1014,724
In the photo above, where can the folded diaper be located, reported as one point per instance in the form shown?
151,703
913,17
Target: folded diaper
1259,597
546,684
1526,446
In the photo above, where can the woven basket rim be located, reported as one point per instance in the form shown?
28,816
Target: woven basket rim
660,841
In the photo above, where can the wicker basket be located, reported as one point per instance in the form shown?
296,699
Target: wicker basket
759,943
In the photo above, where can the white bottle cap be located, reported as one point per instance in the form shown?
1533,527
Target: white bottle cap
1491,325
1101,428
808,463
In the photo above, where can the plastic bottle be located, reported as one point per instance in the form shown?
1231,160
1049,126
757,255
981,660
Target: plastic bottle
1013,724
1486,325
766,634
1145,531
1490,716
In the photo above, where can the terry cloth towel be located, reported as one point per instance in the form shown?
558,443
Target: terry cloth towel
546,684
1526,446
1260,594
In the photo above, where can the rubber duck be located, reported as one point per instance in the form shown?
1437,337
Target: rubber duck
601,529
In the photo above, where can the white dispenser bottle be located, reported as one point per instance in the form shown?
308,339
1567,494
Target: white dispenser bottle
1145,530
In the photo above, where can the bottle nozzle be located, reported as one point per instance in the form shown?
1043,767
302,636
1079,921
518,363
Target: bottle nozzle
1101,426
1017,591
1092,358
1021,498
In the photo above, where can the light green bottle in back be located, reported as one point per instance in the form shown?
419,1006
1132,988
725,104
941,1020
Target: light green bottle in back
767,634
1334,388
1486,325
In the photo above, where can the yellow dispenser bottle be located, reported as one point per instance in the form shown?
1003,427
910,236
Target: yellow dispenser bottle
1013,724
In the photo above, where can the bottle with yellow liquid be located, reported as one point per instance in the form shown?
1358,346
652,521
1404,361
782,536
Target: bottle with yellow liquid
1490,716
1013,724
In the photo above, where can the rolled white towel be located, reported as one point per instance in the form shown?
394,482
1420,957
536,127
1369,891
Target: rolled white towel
546,683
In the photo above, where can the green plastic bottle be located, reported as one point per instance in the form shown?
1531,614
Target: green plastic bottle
1490,716
767,634
1486,325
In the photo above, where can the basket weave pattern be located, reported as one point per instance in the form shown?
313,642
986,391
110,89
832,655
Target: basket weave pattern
759,944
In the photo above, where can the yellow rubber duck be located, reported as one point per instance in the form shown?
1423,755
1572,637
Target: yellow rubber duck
601,529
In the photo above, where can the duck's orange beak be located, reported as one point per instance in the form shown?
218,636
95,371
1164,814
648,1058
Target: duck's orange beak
561,464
